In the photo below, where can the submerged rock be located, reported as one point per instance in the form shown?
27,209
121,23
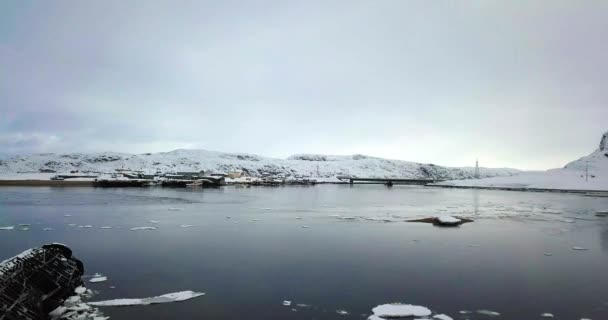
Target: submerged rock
444,221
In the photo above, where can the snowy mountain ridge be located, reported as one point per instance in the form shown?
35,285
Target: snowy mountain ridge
299,165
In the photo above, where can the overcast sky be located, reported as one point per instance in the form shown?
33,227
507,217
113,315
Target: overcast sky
519,84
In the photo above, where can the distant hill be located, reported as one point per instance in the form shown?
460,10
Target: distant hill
302,165
587,173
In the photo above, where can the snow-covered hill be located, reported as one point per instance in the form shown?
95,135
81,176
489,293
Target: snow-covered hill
302,165
587,173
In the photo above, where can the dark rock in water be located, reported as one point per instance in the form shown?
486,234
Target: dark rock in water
443,222
37,281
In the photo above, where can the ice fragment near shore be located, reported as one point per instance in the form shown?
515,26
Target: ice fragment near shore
165,298
7,228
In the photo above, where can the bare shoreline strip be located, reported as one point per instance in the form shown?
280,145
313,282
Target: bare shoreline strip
45,183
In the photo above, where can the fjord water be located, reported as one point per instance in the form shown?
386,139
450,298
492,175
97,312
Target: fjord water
249,251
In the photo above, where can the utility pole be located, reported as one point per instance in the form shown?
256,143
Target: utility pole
476,168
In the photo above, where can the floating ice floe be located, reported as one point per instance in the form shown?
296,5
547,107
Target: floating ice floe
342,312
105,227
442,317
80,290
165,298
174,209
488,313
305,227
67,215
547,315
287,303
153,221
47,229
71,224
23,229
465,312
186,225
579,248
143,228
302,305
7,228
98,278
86,226
397,310
299,218
24,224
548,254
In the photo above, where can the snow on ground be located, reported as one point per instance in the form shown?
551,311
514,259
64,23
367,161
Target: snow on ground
320,167
587,173
165,298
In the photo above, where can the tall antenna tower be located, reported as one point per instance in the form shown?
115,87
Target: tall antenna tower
476,168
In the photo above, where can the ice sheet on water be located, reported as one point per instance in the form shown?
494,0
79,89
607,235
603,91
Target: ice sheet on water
579,248
143,228
105,227
287,303
342,312
396,310
547,315
442,317
488,313
186,225
165,298
7,228
98,279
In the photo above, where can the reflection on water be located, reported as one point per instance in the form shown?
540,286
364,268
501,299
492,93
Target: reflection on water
247,248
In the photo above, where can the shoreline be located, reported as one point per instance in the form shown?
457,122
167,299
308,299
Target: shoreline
523,189
85,183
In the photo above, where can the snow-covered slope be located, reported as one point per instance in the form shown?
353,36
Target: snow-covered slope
303,165
587,173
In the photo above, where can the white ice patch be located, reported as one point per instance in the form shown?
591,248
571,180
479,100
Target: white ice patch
165,298
547,315
86,226
7,228
105,227
98,279
47,229
153,221
442,317
287,303
143,228
342,312
579,248
488,313
397,310
186,225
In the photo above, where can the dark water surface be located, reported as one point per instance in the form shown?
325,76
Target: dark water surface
247,268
